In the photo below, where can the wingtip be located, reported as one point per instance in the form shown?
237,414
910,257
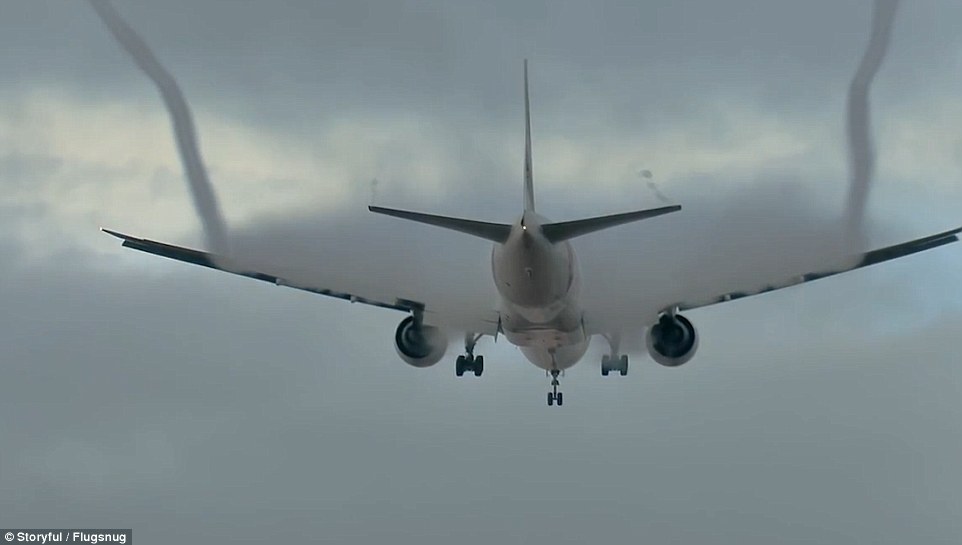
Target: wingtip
951,234
121,236
113,233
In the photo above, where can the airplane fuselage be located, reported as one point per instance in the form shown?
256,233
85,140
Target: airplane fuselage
536,274
539,284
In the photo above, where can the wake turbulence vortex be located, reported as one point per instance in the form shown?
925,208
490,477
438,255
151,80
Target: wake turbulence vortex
205,200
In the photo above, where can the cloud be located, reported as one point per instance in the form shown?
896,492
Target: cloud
202,192
132,384
128,176
255,405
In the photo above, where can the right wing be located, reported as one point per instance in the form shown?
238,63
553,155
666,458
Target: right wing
644,306
869,258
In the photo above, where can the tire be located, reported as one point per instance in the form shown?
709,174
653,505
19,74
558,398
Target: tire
550,399
560,398
459,366
604,370
478,366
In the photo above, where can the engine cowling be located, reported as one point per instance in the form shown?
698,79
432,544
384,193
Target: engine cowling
672,341
419,345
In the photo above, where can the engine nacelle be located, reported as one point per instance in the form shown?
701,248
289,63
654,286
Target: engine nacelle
419,345
672,341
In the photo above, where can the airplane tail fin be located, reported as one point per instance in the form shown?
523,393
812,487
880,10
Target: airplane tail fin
557,232
499,232
495,232
528,176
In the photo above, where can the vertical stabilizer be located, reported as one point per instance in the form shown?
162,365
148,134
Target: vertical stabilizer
528,180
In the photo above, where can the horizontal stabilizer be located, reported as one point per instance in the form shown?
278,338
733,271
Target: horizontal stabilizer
557,232
495,232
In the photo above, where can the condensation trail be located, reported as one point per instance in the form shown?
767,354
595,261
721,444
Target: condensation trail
647,175
658,194
205,200
861,149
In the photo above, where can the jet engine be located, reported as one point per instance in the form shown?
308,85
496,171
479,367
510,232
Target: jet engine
419,345
672,341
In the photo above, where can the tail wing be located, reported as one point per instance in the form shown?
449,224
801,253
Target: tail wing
528,176
495,232
499,232
557,232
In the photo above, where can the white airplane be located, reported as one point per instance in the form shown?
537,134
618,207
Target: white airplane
537,277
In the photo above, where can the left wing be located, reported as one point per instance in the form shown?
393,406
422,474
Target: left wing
487,325
869,258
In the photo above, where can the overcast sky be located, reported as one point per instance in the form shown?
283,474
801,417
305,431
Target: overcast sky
187,404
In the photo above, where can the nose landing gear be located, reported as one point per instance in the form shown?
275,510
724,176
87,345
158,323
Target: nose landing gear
554,396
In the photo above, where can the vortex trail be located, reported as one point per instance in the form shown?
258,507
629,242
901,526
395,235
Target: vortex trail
204,197
860,145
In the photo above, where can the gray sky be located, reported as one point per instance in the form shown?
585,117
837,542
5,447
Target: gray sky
143,393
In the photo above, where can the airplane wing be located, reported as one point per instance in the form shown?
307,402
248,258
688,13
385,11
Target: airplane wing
487,325
864,260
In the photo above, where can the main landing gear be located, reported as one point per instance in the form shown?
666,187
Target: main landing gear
614,362
554,396
469,363
609,364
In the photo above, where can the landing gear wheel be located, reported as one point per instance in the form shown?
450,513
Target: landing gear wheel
609,364
614,362
554,396
469,363
478,366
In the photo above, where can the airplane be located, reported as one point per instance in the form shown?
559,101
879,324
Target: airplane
537,277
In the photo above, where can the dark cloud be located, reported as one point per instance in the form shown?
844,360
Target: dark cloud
188,404
277,63
193,405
